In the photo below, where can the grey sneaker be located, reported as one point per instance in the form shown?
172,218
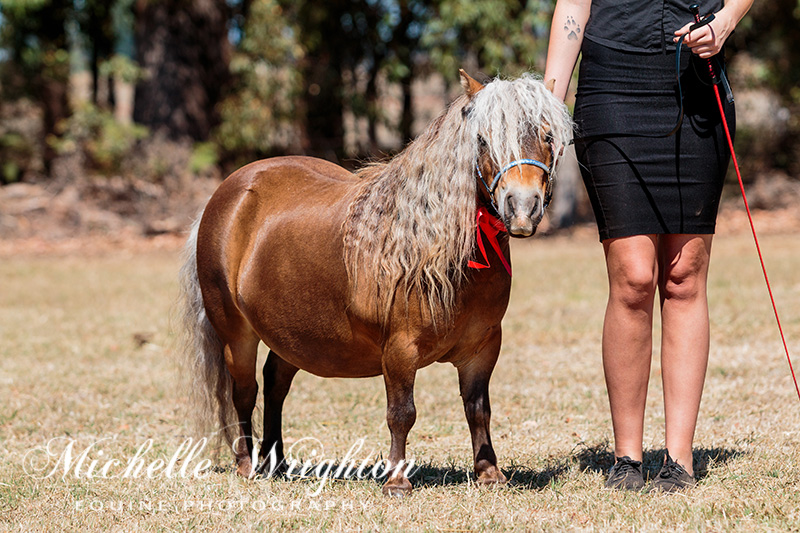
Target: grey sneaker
626,474
672,477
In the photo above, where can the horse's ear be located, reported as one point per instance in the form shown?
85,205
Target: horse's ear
470,85
550,84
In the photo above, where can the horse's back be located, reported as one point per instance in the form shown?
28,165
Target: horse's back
318,169
283,177
273,186
268,195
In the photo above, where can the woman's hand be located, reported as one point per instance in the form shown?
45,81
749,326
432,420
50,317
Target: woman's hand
708,40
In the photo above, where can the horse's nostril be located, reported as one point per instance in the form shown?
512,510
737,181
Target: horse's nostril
537,202
510,204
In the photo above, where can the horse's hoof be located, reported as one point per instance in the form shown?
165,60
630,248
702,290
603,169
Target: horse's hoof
399,488
245,468
265,468
492,476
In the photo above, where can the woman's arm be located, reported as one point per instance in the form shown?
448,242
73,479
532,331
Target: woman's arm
566,36
708,40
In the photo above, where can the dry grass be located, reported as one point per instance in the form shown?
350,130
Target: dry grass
72,364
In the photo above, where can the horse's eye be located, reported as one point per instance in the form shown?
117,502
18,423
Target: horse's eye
481,141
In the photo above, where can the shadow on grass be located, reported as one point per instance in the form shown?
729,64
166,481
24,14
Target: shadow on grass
519,476
600,458
597,458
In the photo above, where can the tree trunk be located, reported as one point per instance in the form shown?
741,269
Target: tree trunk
183,47
52,82
99,29
404,46
324,107
373,107
53,95
407,118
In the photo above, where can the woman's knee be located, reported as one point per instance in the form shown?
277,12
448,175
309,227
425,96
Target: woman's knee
683,282
684,274
635,285
632,271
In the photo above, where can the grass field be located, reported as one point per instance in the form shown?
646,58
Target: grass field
85,353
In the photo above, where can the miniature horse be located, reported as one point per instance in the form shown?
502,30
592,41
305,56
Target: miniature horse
381,272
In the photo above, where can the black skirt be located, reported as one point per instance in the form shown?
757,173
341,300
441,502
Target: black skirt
640,183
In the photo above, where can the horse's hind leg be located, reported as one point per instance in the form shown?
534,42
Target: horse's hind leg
278,376
240,357
473,380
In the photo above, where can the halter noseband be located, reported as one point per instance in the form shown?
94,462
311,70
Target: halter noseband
536,163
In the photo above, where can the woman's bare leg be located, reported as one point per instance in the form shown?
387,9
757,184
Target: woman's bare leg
627,336
684,342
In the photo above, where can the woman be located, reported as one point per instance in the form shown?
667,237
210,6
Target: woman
654,170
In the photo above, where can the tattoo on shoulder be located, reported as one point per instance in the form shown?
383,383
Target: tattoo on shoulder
573,28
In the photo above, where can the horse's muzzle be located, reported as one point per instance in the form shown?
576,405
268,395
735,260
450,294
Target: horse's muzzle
522,213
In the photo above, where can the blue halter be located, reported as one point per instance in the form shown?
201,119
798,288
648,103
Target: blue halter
491,188
513,164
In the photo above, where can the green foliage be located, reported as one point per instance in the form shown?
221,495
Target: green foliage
259,115
343,50
204,157
33,33
105,141
35,49
504,36
15,156
122,68
770,43
770,34
19,9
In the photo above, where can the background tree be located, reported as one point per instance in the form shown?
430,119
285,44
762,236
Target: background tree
34,35
328,50
97,25
496,37
266,77
768,42
344,40
183,48
405,30
260,115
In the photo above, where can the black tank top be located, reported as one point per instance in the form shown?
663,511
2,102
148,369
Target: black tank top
642,25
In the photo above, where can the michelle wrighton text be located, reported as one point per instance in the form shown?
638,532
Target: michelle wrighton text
102,459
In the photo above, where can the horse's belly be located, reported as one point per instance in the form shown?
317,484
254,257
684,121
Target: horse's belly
321,343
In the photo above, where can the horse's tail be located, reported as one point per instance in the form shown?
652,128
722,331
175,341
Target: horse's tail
204,370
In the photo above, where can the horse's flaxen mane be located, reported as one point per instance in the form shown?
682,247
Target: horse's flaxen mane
412,223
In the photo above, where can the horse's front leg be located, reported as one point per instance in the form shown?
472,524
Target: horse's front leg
473,380
278,376
399,371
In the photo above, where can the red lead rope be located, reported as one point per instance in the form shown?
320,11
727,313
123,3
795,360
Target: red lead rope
752,227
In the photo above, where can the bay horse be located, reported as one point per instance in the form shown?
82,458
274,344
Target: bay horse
367,274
